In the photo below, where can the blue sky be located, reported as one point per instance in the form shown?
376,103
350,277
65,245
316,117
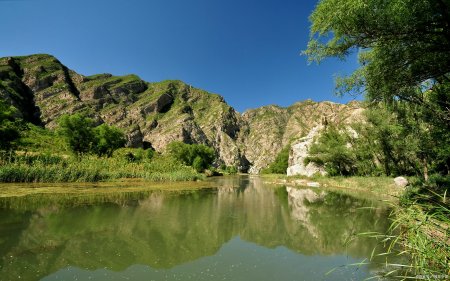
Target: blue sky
245,50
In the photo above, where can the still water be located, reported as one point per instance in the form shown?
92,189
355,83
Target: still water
242,229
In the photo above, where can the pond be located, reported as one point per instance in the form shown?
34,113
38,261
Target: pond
239,229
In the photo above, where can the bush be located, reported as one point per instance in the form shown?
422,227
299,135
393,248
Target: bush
231,170
83,137
9,126
280,164
198,156
107,139
199,165
134,154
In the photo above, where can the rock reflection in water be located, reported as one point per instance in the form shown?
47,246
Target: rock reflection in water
298,198
163,230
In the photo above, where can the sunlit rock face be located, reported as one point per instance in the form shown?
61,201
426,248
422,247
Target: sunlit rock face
342,115
271,128
298,154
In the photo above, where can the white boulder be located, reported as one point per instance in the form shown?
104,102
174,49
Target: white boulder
401,181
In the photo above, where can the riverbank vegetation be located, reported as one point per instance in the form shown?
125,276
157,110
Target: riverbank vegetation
81,152
280,164
404,75
31,167
198,156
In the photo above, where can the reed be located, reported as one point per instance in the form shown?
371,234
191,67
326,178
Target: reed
419,235
88,168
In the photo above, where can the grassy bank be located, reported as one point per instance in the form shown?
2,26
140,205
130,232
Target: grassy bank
423,237
67,168
382,187
422,221
28,196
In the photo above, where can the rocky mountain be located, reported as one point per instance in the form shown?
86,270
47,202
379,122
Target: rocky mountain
155,114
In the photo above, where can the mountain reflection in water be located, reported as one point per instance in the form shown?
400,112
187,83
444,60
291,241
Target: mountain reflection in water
160,231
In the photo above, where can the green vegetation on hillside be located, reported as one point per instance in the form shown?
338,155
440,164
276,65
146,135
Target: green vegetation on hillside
9,127
280,164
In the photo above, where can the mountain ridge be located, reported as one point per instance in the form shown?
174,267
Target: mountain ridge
153,114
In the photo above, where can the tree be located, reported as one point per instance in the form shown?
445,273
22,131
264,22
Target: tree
83,137
9,126
198,156
404,52
403,43
199,164
280,164
78,131
107,139
333,152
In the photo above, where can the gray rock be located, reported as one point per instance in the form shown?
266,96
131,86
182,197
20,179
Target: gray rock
134,138
298,154
401,181
313,184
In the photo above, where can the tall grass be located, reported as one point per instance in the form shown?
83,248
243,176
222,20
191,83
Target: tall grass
420,233
424,238
54,168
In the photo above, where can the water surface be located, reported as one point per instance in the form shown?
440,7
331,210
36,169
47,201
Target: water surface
242,229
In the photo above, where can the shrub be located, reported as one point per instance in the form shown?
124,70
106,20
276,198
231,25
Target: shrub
198,156
107,139
231,170
280,164
83,137
9,126
134,154
78,132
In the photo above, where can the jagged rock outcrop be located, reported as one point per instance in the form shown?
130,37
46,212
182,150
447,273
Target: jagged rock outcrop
333,113
299,152
264,131
271,128
155,114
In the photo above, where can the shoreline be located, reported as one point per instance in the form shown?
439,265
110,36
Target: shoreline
8,190
381,187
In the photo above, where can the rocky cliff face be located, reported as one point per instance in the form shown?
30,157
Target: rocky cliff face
300,151
155,114
332,113
270,128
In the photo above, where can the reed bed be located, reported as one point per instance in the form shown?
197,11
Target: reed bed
419,235
54,168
